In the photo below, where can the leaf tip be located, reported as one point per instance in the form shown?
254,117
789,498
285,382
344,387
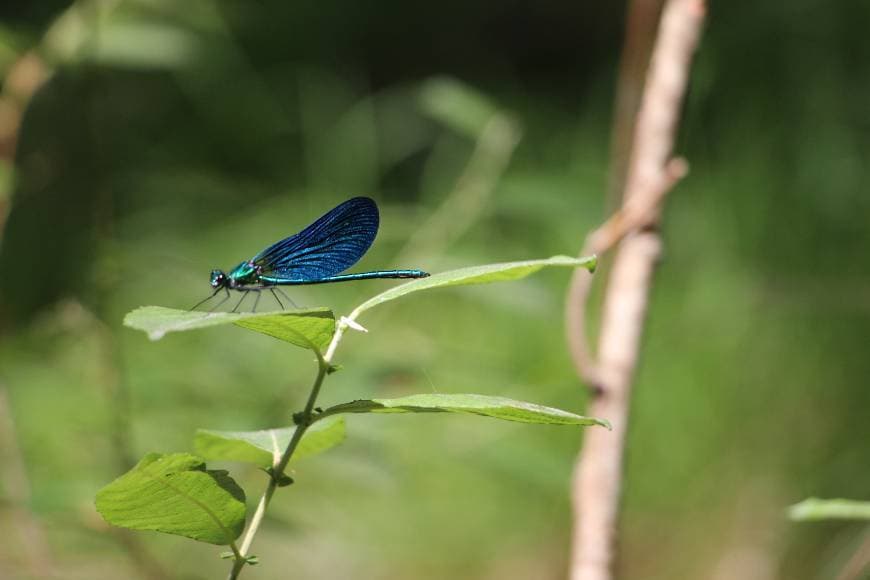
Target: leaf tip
592,263
802,510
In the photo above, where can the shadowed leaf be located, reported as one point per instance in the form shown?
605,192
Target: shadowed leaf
175,494
262,447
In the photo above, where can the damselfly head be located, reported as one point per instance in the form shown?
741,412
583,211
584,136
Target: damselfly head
218,279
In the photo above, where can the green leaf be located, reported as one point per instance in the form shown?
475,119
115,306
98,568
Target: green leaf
175,494
476,275
262,447
812,509
496,407
309,328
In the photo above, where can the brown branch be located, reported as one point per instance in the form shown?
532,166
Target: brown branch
636,214
652,172
640,31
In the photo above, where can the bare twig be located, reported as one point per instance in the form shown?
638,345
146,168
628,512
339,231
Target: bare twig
636,214
34,546
640,31
26,75
651,174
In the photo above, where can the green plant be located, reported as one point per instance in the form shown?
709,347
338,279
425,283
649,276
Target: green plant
177,494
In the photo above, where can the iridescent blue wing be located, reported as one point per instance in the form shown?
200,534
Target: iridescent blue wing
332,244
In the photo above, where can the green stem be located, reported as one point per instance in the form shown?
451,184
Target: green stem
236,552
304,422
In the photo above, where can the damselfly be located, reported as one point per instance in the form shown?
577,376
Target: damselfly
316,255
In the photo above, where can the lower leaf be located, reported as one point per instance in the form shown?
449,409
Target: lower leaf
176,494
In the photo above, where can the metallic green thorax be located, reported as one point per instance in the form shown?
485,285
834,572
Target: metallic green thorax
245,274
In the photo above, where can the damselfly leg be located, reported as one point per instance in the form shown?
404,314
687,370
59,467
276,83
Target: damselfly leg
201,302
216,306
242,299
287,298
278,300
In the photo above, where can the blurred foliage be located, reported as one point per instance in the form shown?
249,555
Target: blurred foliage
175,137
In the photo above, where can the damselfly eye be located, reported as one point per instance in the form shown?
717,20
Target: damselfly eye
217,278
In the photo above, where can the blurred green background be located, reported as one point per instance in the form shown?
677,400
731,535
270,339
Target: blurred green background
171,138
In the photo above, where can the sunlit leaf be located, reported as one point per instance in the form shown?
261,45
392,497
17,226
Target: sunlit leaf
263,447
495,407
477,275
308,328
176,494
829,509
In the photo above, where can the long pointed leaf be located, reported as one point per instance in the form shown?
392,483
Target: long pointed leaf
476,275
495,407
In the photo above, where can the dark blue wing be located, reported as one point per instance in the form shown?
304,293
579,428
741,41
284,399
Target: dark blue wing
332,244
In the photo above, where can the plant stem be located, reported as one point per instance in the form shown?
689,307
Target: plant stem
651,172
303,422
